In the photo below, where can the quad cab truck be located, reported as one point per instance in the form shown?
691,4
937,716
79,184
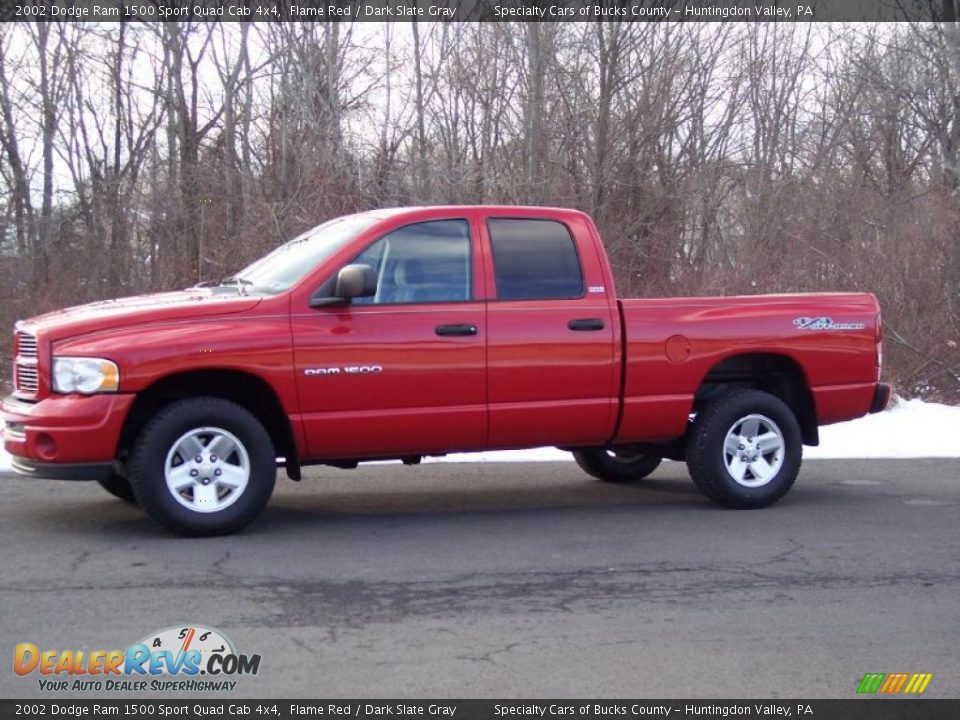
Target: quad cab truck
404,333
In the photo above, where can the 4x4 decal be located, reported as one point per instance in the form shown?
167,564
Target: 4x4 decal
825,323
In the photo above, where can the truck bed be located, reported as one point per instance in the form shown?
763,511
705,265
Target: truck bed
672,344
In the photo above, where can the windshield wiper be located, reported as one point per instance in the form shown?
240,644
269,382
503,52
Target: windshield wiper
240,283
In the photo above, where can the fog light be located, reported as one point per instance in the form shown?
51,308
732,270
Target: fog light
46,446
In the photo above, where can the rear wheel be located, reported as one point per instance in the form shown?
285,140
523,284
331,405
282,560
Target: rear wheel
616,465
744,450
203,466
118,486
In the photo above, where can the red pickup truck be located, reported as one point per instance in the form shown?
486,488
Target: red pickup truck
403,333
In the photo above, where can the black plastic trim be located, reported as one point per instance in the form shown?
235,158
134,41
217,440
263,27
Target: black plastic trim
586,324
622,392
454,330
56,471
881,397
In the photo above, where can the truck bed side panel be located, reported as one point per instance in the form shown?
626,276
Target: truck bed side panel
671,345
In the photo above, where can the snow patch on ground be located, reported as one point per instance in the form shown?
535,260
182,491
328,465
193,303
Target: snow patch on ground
544,454
911,428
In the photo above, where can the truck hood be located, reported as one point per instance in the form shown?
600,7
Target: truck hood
136,310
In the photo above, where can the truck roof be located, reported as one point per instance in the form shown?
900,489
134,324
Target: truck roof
385,213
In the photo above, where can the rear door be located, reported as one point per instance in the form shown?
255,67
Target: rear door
552,356
403,371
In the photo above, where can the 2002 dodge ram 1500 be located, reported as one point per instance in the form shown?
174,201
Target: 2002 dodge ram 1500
403,333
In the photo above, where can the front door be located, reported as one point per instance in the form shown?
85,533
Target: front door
404,371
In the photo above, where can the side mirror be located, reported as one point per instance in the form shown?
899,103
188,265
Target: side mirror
352,281
356,281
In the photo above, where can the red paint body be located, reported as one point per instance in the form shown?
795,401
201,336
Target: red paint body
524,380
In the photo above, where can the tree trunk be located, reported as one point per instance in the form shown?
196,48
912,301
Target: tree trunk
423,189
48,113
534,112
22,205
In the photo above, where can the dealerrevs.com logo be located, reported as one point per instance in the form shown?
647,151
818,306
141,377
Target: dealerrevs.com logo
182,658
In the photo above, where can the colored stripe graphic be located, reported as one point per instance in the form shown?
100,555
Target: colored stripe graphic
918,683
871,683
894,683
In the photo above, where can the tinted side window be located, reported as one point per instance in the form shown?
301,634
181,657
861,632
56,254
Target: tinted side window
421,263
534,260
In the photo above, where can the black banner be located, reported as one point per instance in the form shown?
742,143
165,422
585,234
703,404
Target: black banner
855,709
476,10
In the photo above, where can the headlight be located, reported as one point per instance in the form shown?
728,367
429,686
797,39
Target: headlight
85,375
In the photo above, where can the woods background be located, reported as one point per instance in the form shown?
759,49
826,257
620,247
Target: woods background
736,158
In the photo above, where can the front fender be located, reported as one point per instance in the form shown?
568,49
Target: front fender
258,345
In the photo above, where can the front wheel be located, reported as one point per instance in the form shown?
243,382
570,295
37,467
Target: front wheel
203,466
616,465
744,450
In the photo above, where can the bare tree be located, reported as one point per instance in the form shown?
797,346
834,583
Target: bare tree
727,159
18,181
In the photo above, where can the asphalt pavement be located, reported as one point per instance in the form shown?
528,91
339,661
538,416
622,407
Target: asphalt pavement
513,580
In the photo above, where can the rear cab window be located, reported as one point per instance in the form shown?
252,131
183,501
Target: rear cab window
534,259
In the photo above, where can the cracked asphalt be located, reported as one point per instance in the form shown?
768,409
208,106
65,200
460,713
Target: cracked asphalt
513,580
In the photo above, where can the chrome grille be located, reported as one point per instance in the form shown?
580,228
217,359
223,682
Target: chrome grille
26,376
26,345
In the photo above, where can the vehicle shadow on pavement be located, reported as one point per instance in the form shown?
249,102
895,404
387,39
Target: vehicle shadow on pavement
385,497
456,501
313,503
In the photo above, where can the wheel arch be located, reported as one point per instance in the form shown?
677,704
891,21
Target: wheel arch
243,388
775,373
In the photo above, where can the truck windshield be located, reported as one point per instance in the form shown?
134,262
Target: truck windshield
283,267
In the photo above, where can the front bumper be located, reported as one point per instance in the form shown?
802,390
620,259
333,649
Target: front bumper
64,436
881,398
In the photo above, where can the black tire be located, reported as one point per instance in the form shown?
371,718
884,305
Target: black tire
603,464
707,459
118,486
149,457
